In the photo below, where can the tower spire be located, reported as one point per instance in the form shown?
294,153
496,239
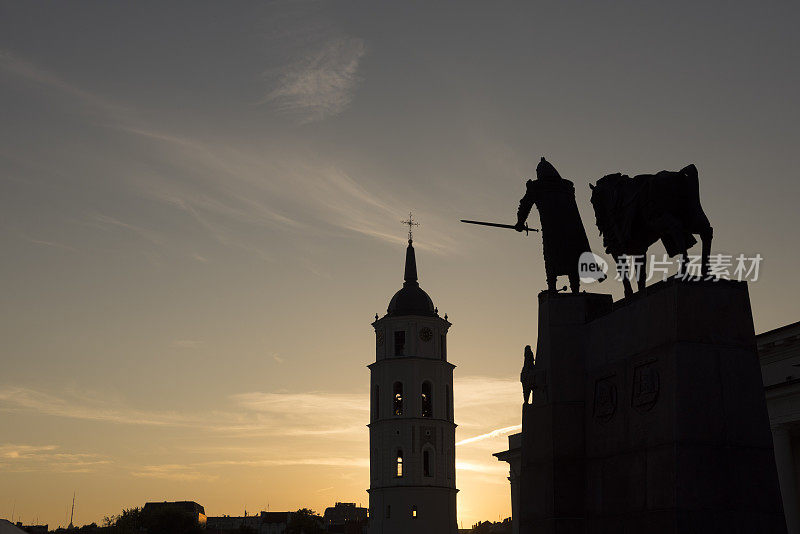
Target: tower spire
410,275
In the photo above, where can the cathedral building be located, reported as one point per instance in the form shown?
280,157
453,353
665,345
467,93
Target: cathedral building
411,429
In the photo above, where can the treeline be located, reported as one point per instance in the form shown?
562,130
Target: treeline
175,521
487,527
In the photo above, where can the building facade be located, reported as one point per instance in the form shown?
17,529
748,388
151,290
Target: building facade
345,518
190,508
412,430
263,523
779,353
514,458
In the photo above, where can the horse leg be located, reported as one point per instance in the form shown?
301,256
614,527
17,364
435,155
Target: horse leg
706,236
641,273
623,270
575,283
551,283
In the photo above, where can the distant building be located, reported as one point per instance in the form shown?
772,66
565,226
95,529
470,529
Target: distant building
514,458
263,523
411,431
188,507
487,527
779,353
345,518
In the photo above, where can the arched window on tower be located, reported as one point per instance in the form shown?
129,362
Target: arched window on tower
376,402
427,399
414,511
427,463
447,401
398,398
400,343
399,463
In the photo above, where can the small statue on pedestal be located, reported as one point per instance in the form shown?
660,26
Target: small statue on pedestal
527,375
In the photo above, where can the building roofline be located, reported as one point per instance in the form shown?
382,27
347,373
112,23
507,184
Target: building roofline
395,418
779,329
405,486
400,358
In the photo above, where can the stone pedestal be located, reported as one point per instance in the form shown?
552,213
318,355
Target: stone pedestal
648,416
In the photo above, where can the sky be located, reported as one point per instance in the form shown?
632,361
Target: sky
200,216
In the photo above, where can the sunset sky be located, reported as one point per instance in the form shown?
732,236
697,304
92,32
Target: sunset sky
200,209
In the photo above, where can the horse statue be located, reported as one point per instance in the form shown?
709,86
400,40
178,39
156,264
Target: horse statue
633,213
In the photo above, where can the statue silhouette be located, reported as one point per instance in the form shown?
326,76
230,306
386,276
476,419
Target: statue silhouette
526,376
563,236
633,213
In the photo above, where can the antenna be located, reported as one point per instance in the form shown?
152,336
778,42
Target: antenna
72,513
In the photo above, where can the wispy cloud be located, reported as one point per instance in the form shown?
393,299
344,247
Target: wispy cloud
225,188
320,84
303,403
48,243
321,461
173,472
208,470
16,398
103,221
14,451
487,410
483,403
232,192
248,415
28,458
481,467
273,413
493,434
18,67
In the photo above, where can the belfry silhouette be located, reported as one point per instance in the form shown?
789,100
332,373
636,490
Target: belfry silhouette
411,430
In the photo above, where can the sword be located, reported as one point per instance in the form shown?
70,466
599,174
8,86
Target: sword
498,225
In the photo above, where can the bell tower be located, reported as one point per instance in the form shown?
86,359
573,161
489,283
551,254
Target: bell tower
411,429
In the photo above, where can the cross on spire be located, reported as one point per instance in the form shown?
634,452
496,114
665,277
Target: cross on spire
410,223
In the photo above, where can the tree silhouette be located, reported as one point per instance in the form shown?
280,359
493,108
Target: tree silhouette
304,521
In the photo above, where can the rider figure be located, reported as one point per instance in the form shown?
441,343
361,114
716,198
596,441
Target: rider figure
563,236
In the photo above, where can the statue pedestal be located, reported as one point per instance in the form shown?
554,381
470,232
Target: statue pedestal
649,416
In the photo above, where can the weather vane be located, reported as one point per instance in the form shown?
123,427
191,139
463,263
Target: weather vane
411,223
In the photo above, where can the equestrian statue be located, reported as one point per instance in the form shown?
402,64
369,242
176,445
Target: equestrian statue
633,213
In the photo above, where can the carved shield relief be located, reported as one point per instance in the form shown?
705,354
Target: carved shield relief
646,385
605,398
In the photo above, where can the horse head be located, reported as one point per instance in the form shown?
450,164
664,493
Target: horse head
604,200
